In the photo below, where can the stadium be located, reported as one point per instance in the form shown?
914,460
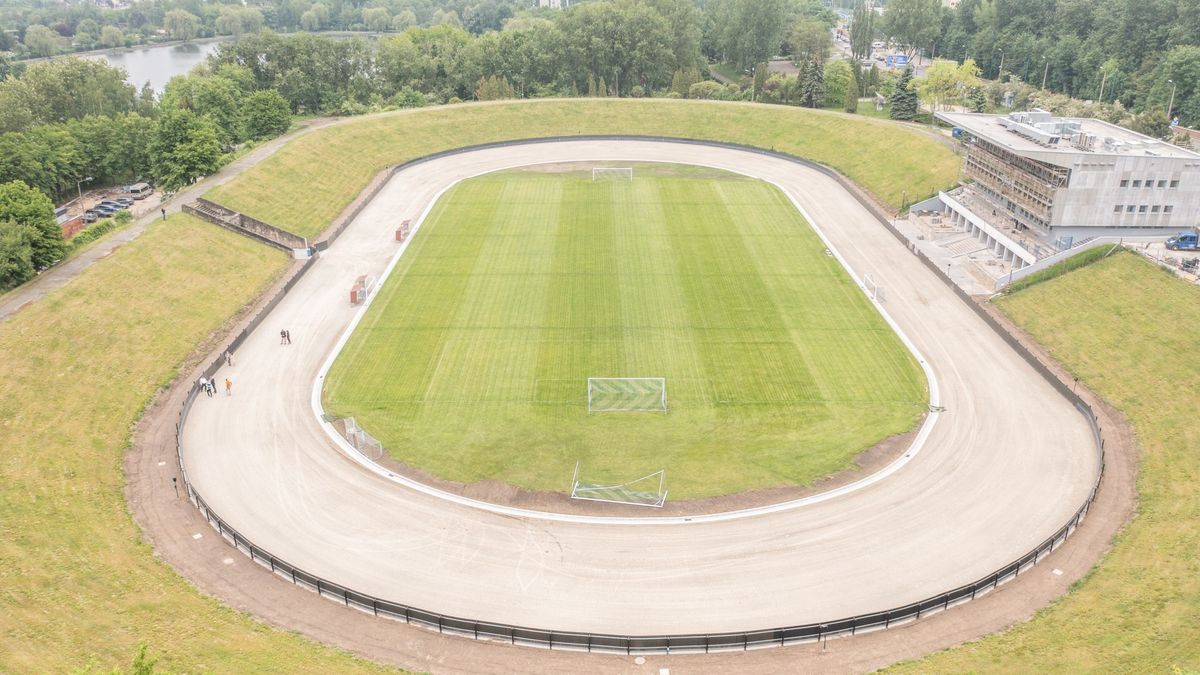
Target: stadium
649,392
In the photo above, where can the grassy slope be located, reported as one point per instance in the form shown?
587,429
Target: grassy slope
523,284
1129,331
306,184
78,586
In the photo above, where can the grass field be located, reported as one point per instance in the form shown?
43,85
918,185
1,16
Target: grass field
306,184
1130,332
473,362
78,589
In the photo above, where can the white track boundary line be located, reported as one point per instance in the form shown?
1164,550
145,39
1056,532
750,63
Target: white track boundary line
350,451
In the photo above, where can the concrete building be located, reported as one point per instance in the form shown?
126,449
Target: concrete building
1037,185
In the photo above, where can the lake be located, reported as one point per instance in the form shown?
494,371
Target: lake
158,64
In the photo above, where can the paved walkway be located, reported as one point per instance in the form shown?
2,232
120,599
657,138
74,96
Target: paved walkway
61,274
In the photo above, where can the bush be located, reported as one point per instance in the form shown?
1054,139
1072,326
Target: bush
97,230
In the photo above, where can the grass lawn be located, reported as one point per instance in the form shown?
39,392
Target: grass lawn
474,361
80,589
304,186
1130,331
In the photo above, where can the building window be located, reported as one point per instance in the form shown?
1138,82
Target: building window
1125,183
1117,208
1155,209
1174,183
1168,208
1162,183
1142,208
1137,183
1130,208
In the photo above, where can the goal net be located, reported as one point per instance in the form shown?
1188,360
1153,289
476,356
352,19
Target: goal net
610,173
873,288
627,394
649,490
361,440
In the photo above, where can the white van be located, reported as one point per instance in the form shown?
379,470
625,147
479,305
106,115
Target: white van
140,190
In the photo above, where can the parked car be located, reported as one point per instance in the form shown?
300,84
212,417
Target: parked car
90,216
141,190
124,201
113,204
97,213
104,210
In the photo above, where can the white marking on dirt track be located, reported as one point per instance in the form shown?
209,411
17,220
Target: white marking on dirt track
1005,466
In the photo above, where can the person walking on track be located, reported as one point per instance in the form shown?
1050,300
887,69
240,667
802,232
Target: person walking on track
204,386
283,337
228,387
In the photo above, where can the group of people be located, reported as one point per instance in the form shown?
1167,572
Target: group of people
209,387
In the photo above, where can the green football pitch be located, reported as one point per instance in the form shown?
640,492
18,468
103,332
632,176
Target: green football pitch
473,362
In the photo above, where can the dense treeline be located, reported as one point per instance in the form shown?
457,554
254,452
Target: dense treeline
1136,52
44,28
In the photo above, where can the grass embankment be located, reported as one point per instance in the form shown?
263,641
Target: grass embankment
307,183
1060,268
1130,332
473,363
79,588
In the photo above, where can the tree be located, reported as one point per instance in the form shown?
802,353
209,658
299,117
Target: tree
42,41
495,88
1153,123
862,30
977,100
265,114
913,23
111,36
904,99
87,33
812,85
746,32
683,18
683,80
181,24
940,83
28,207
184,147
838,77
850,103
760,79
404,20
16,254
810,41
377,19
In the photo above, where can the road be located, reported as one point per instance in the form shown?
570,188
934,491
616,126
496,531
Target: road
1003,467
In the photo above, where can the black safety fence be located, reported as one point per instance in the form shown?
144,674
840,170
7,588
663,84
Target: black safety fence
635,644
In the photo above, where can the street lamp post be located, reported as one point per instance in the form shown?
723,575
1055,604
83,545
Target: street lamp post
1045,72
1000,75
78,186
1102,81
1172,103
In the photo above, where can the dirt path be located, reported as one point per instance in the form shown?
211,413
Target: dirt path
62,274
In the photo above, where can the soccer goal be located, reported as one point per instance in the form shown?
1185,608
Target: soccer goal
612,173
873,288
649,490
627,394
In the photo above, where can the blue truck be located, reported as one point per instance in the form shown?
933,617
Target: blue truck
1185,241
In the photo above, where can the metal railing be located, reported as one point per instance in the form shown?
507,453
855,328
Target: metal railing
634,644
